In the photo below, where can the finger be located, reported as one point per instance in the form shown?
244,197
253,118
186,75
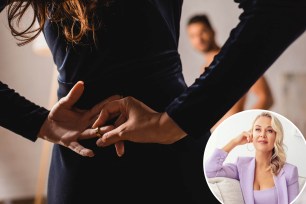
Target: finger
79,149
109,111
74,94
111,137
97,108
251,138
119,148
92,133
121,119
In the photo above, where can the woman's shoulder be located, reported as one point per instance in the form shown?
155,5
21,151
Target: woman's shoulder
289,167
291,172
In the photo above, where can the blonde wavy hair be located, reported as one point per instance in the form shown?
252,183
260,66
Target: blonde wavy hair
278,158
76,17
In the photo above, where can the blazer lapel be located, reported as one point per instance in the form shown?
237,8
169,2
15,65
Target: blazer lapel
280,185
247,180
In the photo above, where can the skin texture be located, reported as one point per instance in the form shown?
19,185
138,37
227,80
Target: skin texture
263,138
159,127
138,123
202,39
66,125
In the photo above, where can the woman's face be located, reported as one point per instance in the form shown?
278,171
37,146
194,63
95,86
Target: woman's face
263,135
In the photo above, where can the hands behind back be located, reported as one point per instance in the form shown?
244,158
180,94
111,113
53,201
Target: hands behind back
65,124
137,123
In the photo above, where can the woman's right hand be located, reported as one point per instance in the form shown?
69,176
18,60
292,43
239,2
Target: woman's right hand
244,138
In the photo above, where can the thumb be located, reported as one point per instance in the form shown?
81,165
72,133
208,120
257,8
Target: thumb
74,94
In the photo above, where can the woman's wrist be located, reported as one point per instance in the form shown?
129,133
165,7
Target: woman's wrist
230,146
174,132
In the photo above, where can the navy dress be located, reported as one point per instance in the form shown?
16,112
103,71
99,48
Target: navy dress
136,55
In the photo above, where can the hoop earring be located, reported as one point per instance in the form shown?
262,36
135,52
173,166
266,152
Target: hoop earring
249,149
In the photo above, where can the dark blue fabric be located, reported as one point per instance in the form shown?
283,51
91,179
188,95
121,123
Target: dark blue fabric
18,114
3,3
265,30
135,55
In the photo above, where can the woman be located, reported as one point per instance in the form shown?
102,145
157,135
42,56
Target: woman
266,178
130,48
117,48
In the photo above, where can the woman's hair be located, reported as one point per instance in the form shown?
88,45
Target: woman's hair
278,158
76,17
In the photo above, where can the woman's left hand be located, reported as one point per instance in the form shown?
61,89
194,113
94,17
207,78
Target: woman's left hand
137,123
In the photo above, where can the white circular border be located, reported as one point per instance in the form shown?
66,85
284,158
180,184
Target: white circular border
236,115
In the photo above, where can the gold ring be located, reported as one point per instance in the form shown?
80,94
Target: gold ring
98,132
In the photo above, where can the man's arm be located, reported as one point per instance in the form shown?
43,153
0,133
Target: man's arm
263,94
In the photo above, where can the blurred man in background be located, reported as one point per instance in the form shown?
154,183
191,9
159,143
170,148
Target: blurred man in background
202,37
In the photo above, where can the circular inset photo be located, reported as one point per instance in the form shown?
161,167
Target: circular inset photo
256,157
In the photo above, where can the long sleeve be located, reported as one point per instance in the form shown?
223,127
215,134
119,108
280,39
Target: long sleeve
3,3
19,114
293,185
265,30
214,166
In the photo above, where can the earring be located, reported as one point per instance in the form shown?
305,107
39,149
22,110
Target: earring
248,147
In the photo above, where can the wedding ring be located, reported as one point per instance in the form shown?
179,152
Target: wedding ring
98,132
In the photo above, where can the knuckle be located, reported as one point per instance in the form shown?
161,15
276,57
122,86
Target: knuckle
121,133
129,99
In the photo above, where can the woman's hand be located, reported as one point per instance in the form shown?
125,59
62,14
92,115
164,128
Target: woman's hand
65,124
138,123
244,138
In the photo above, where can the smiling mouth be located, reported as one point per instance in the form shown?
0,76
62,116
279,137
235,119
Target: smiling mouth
262,142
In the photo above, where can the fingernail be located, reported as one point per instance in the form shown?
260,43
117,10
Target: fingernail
100,143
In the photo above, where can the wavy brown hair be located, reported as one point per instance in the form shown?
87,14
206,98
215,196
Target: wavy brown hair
76,17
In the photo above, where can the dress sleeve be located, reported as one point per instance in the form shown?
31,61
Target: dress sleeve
3,4
214,166
19,115
252,47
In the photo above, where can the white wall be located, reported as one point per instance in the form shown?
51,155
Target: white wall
30,75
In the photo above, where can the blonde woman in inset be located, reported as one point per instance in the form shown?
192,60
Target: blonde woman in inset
265,178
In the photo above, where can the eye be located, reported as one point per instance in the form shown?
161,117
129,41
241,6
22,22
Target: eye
271,131
257,129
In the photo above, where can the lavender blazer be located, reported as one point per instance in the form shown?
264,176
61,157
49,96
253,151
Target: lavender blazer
286,182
